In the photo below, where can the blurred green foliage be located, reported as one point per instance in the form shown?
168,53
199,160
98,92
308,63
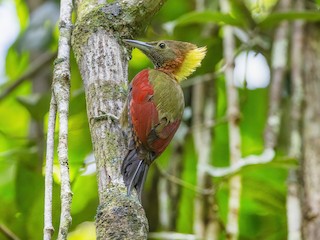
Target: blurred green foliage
263,213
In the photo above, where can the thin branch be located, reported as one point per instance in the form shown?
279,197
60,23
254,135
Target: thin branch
279,65
184,184
234,130
61,93
294,213
28,74
297,84
266,157
200,79
310,165
202,139
211,123
8,233
205,77
171,236
204,223
48,226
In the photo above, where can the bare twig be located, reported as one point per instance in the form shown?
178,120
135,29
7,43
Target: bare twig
205,77
184,184
202,146
234,130
61,93
203,111
265,157
48,227
8,233
279,64
293,203
294,214
171,236
297,84
310,165
210,123
200,79
28,74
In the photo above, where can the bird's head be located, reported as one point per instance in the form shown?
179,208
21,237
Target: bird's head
175,58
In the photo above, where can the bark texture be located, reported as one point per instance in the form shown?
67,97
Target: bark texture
103,63
311,135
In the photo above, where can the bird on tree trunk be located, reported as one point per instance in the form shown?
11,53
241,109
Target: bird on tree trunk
155,104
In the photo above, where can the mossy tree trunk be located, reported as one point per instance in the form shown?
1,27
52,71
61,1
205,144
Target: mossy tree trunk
103,63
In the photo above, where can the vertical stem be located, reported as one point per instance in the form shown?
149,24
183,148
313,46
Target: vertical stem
201,149
205,224
234,130
293,202
66,194
48,227
310,165
61,93
279,64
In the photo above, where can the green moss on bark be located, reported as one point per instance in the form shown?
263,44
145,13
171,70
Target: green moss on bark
118,211
121,20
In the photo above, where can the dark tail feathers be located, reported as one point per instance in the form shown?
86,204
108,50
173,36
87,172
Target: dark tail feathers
134,171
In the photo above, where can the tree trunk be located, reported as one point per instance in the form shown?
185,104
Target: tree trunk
103,63
311,135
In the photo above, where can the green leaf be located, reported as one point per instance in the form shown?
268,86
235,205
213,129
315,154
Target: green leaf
29,184
84,231
16,63
7,171
34,217
36,104
23,13
206,17
77,102
242,13
276,18
187,196
84,186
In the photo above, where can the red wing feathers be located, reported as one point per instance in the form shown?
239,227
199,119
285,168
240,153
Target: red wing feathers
153,134
144,115
164,137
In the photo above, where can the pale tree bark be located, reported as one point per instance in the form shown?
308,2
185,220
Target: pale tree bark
295,150
205,224
48,225
233,111
311,135
103,63
60,102
279,67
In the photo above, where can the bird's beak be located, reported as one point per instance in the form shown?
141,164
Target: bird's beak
145,47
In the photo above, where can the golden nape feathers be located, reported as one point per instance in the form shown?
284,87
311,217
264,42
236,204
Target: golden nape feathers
191,61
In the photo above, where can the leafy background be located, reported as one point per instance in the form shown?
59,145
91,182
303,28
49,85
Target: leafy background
264,186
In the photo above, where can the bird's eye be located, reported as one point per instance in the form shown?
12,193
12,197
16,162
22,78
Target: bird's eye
162,45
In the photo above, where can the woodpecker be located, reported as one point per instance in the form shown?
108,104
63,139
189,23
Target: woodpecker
155,104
